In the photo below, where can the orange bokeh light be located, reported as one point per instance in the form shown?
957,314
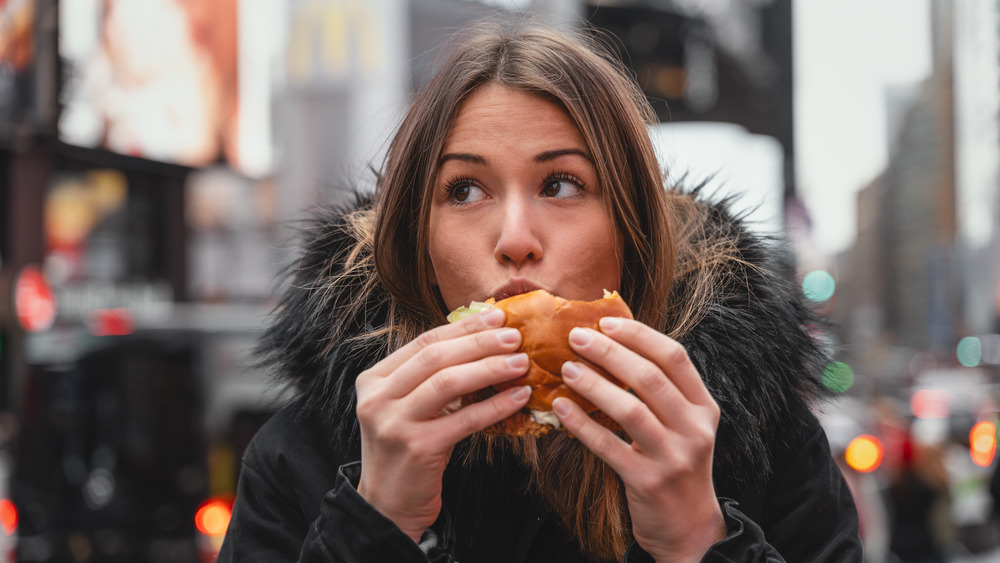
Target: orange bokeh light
983,443
864,453
212,518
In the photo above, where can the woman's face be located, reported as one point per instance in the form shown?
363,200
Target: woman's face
517,205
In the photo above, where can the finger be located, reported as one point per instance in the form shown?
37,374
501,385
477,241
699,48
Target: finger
643,425
598,439
654,387
456,351
441,389
490,319
664,351
477,417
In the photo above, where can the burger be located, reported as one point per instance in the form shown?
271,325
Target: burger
545,322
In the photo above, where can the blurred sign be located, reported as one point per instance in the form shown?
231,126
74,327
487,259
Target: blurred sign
80,301
331,40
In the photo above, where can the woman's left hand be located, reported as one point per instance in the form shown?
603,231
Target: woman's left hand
672,420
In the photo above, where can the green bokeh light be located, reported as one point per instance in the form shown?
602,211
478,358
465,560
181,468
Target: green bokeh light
970,351
818,286
838,377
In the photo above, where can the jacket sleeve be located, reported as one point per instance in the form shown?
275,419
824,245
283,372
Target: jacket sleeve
268,524
808,515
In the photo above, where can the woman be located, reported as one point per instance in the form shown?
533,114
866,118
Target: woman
526,163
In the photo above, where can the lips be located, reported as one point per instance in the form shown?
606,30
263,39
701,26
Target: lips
512,288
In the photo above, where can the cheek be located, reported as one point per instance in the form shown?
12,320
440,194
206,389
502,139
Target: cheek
451,265
597,257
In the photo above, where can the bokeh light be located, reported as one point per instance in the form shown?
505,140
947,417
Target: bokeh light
983,443
930,403
8,516
838,377
864,453
212,519
818,286
970,351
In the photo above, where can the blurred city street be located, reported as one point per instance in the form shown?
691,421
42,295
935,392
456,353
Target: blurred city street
156,157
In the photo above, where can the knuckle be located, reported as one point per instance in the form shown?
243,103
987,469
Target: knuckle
366,407
676,353
443,382
431,356
650,378
684,465
484,339
500,408
604,444
649,481
419,444
603,346
468,418
585,384
703,439
714,413
635,414
633,328
426,339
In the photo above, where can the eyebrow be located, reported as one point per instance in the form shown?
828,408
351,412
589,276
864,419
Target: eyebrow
542,157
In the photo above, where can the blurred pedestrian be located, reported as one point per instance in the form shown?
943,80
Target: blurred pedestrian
526,163
919,502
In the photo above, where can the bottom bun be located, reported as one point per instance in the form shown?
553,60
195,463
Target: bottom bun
522,423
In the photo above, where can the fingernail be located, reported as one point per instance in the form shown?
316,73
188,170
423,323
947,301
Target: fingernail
509,336
494,317
571,371
561,406
610,323
580,336
518,361
520,394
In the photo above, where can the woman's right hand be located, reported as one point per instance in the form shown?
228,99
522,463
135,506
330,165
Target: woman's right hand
408,430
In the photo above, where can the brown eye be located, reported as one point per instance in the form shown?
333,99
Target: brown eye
465,192
561,188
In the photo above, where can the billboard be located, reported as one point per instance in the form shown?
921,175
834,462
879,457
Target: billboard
167,80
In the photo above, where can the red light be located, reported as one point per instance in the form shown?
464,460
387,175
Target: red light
212,518
33,300
8,516
983,443
111,322
864,453
930,403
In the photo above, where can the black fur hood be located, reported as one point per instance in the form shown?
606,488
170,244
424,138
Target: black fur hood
754,347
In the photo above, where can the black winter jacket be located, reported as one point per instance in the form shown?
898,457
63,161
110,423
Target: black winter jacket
781,493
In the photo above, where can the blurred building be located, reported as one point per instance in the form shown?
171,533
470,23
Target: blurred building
922,274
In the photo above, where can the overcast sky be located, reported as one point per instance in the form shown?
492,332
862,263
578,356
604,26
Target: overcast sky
846,53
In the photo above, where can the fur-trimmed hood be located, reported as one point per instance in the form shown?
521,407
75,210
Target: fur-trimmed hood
753,347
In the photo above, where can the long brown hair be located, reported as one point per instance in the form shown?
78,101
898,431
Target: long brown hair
656,225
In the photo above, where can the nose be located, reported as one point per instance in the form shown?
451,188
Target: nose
518,242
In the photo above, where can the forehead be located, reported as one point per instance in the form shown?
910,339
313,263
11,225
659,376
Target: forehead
494,114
